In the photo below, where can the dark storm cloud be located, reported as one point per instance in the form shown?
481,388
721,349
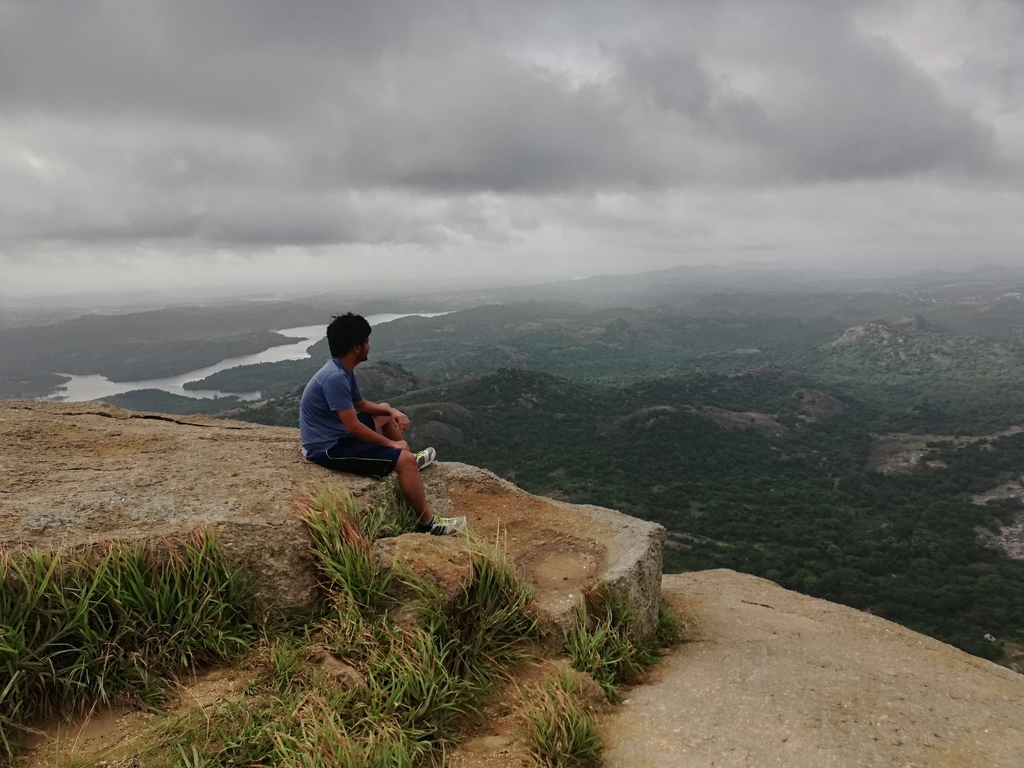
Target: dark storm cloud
256,123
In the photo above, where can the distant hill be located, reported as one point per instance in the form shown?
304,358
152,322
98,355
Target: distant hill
924,377
165,402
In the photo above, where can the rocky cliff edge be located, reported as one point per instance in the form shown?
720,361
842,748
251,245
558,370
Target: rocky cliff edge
78,474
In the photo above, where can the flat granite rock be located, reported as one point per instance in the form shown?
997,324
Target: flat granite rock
78,474
82,473
774,678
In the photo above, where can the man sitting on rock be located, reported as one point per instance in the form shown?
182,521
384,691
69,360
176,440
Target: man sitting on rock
339,428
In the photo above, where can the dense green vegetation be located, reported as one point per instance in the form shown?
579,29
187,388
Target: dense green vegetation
802,509
915,374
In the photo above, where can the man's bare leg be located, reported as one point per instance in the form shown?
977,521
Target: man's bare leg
408,472
412,486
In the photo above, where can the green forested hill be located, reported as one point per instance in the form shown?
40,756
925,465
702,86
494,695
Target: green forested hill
564,339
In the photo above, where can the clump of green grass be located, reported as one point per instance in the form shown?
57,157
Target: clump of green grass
488,622
341,545
393,515
84,627
420,680
560,730
601,642
670,629
325,737
311,727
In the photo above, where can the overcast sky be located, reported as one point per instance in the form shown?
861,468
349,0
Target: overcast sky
155,144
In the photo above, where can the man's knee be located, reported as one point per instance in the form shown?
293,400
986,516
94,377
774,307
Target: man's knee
406,461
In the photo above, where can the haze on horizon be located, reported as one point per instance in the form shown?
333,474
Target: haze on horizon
152,145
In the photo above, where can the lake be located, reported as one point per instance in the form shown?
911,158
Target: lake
95,386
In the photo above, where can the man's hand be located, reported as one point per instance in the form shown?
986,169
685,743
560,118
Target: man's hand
401,420
400,445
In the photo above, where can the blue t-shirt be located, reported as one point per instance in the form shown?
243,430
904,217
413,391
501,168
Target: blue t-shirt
331,389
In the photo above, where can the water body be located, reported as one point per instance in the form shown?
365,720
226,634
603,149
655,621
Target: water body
95,386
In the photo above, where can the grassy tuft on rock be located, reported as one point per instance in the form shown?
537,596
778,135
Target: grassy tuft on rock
602,641
364,681
560,729
79,628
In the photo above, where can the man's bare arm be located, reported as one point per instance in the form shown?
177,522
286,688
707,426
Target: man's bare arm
372,409
383,409
356,428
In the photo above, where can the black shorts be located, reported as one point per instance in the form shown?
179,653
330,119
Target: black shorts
350,454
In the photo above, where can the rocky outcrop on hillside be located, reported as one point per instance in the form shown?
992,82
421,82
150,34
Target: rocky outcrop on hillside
79,474
747,421
817,407
383,380
1008,537
768,371
881,333
912,343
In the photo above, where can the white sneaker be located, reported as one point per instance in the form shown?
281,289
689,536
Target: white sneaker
443,526
425,458
458,523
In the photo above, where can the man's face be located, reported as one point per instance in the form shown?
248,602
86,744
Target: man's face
362,351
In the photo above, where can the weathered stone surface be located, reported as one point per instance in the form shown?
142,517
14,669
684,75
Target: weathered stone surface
339,673
445,561
771,677
562,549
634,552
82,473
818,407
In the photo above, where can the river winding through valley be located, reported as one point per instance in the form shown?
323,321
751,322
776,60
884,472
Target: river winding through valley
95,386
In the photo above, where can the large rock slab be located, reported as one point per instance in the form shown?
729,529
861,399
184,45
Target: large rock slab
772,677
83,473
79,474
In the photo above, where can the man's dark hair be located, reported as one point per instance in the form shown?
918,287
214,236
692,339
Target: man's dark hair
346,331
